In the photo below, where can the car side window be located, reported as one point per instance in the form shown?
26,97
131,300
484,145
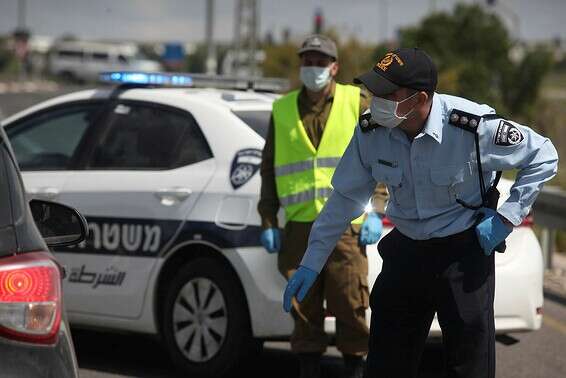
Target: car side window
47,142
147,137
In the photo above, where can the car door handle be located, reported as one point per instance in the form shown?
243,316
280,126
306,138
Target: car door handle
46,193
172,196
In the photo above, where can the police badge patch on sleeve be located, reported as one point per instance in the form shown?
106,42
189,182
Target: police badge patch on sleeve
507,134
245,164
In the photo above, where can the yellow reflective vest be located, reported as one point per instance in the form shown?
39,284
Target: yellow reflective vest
303,174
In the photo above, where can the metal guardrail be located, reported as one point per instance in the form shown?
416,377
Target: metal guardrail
549,213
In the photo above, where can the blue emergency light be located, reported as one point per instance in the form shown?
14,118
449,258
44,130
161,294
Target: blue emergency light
149,78
135,79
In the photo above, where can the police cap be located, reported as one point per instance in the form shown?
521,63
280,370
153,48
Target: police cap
321,44
402,68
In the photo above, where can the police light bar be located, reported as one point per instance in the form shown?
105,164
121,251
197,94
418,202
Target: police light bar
148,78
151,79
260,84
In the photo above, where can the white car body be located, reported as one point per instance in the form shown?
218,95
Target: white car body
223,217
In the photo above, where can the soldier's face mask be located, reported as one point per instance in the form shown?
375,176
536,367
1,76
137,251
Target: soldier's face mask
384,112
315,78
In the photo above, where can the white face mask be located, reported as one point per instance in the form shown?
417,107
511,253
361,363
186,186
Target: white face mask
384,112
315,78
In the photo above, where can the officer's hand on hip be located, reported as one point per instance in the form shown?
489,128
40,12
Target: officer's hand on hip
371,229
271,239
298,286
491,230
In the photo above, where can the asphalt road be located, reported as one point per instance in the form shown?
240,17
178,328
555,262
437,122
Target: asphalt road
540,354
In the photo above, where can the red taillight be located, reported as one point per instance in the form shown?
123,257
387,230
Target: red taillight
30,298
386,222
527,222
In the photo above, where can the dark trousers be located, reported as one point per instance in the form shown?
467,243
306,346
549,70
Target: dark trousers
450,276
342,283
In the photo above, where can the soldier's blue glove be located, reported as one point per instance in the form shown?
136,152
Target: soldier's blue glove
371,229
299,285
491,230
271,239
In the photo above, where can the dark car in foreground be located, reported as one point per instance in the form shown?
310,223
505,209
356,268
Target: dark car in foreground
35,339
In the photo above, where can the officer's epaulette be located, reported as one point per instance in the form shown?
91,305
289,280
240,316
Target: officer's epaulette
366,123
468,121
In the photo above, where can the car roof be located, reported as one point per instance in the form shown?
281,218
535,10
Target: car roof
223,99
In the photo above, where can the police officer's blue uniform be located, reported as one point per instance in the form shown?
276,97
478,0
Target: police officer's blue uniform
432,259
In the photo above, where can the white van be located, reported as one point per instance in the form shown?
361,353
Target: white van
82,61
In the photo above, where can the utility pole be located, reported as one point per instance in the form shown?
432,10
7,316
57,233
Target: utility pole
384,12
245,34
21,38
211,62
21,14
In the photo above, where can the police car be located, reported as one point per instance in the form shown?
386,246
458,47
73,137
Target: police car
165,169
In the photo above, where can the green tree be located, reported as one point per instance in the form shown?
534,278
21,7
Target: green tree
472,50
354,58
196,61
7,58
522,85
282,61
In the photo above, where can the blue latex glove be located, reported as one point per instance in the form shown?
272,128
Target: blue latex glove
491,230
271,239
371,229
299,285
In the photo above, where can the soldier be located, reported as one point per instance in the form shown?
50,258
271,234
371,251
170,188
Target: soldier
309,132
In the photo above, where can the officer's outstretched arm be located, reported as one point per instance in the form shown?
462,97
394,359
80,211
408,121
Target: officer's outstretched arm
353,186
512,146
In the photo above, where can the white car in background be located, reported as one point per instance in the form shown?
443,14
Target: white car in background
168,181
80,61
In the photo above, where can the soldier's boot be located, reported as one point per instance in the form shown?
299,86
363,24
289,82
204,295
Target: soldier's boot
309,365
353,366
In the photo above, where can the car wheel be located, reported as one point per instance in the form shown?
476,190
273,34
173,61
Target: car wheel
206,324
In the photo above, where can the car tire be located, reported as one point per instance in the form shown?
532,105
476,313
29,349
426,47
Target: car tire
206,326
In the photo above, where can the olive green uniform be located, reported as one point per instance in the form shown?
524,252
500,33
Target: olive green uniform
343,281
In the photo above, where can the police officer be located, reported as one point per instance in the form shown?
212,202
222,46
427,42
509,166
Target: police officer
310,130
439,257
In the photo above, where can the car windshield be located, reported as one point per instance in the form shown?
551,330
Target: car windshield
258,120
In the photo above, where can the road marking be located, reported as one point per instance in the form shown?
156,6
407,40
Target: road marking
554,323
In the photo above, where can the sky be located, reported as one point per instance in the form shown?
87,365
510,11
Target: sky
184,20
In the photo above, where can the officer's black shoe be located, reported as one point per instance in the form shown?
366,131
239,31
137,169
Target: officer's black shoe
353,366
309,365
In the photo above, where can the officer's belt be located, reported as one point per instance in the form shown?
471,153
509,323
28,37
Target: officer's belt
464,237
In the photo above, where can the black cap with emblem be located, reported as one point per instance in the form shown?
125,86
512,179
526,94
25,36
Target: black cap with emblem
402,68
319,43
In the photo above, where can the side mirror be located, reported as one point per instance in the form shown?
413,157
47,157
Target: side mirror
60,225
